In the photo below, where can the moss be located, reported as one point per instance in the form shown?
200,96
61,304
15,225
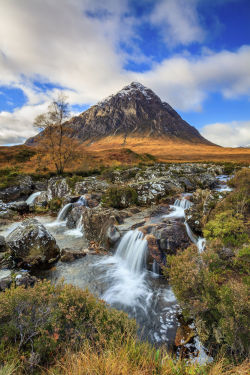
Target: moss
9,177
55,204
120,197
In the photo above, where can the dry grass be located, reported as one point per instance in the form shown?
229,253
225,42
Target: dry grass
138,359
170,150
110,151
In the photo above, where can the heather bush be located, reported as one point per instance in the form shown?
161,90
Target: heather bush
36,324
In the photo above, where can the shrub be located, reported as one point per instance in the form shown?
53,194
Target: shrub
120,197
229,228
24,155
43,321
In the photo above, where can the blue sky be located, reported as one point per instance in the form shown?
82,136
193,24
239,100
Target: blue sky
195,54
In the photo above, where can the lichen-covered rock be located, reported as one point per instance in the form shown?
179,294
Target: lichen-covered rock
197,215
91,184
32,246
99,224
22,189
21,207
58,188
153,191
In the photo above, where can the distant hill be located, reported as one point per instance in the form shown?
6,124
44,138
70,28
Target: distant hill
135,111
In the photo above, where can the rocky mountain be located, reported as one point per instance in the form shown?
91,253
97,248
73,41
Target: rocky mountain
133,111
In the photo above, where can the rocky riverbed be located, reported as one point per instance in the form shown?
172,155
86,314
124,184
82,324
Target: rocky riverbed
111,235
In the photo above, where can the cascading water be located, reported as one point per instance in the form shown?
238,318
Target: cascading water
82,201
179,207
61,217
134,289
133,249
78,231
32,197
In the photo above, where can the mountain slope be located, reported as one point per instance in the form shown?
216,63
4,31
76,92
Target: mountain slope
133,111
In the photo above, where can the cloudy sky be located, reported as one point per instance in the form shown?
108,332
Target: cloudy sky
195,54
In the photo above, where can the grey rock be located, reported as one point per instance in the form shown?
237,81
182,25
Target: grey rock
32,246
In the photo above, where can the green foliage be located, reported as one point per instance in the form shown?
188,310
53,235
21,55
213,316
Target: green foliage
9,177
208,289
55,204
71,181
229,228
24,155
120,197
214,286
45,320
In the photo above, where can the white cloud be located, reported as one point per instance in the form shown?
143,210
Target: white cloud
178,20
58,43
231,134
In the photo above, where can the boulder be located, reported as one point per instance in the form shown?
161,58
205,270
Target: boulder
113,234
21,278
99,225
91,184
165,239
197,215
58,188
21,207
22,189
32,246
74,216
153,191
67,255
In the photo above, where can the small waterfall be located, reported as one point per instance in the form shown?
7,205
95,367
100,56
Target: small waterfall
63,212
155,268
200,242
78,231
133,249
179,207
82,201
32,197
183,203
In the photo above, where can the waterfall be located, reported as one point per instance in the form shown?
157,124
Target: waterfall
200,242
32,197
155,268
179,207
63,213
126,272
183,203
78,231
82,201
133,250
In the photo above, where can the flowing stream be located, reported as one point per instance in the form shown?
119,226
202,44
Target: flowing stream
121,279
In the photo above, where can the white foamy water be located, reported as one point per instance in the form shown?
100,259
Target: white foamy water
32,197
179,207
131,287
78,231
61,217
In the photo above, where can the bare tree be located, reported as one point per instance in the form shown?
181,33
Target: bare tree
56,141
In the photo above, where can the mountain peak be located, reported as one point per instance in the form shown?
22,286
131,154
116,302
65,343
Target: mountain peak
133,89
134,111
